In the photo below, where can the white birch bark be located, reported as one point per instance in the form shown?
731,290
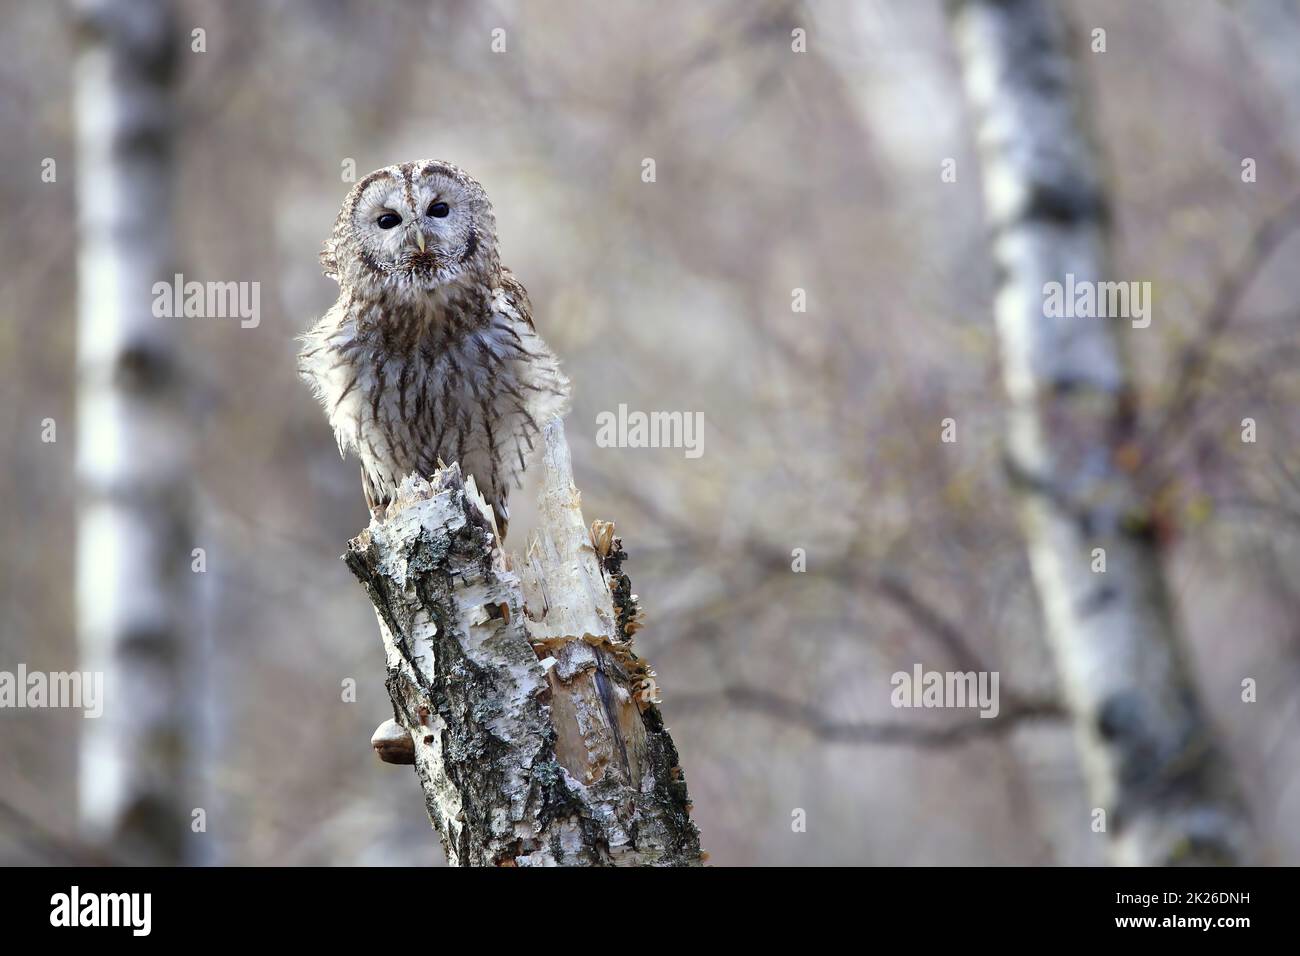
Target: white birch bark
133,561
1149,756
533,726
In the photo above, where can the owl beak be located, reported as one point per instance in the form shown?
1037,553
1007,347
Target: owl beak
419,240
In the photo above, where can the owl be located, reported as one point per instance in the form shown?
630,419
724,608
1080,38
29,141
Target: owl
430,353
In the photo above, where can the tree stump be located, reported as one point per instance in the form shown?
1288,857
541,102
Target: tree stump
533,726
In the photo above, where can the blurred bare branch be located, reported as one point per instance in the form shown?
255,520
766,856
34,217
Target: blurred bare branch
1194,361
810,719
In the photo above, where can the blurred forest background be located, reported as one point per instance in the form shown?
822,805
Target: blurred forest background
775,171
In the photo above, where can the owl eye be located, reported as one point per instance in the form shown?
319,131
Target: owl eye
388,220
438,209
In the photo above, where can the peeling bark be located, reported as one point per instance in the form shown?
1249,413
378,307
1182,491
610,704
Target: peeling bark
536,735
1149,755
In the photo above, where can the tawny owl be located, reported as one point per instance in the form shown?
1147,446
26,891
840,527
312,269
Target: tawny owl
430,351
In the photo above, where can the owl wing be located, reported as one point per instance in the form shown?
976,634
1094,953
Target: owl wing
518,295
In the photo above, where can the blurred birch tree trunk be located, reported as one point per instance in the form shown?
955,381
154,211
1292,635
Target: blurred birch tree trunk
1149,756
134,542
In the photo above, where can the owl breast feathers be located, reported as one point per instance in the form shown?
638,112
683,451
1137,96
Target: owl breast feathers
430,353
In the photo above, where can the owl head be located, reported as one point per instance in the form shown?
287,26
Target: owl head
416,228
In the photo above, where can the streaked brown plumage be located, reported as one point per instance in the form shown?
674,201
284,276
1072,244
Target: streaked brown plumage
430,352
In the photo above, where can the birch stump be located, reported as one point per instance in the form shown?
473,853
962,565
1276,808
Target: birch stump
532,724
1149,755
